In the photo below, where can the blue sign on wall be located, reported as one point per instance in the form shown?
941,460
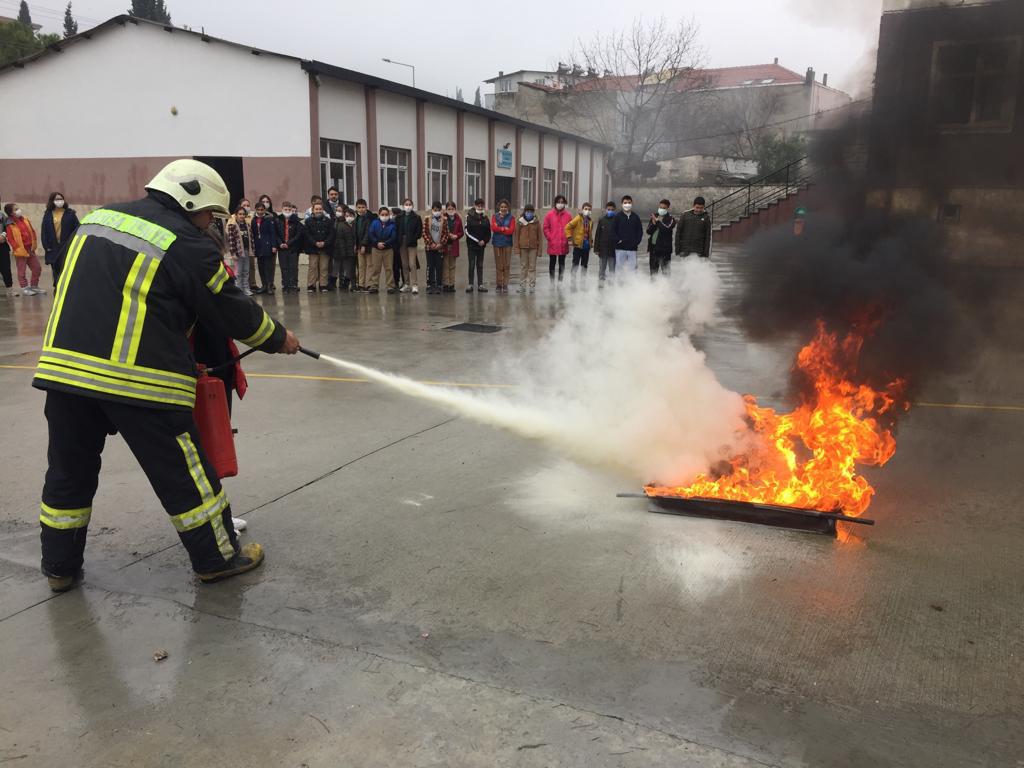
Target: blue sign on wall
504,158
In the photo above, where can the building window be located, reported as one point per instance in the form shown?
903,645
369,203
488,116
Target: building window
439,178
549,187
339,167
474,181
394,176
566,188
529,176
974,85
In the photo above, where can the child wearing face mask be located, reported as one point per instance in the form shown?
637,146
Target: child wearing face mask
659,243
57,228
503,225
526,243
478,234
345,246
291,243
451,252
604,242
364,217
628,232
410,230
239,238
383,237
21,236
435,238
578,231
318,232
554,232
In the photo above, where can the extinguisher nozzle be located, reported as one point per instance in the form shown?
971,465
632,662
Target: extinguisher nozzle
310,352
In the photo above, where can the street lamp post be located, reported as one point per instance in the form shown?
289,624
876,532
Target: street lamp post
410,66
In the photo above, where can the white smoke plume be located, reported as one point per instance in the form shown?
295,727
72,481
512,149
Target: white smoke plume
617,383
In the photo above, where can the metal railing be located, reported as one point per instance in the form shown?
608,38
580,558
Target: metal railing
760,193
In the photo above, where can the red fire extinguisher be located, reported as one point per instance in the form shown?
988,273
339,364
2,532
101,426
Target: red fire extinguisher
214,424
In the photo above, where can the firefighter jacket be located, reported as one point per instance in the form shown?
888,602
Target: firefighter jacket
135,278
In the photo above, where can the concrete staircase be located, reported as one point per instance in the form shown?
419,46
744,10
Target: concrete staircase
764,202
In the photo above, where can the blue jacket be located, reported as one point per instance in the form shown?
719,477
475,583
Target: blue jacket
383,233
48,236
265,235
627,231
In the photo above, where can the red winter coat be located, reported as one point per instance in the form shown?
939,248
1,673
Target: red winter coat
455,233
554,231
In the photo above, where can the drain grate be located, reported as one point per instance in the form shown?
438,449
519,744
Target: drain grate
473,328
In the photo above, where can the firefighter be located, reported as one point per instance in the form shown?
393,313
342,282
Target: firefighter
134,279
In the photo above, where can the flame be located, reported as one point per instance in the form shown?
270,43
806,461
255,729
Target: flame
809,458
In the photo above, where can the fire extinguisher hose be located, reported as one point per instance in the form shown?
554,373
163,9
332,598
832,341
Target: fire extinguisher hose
234,360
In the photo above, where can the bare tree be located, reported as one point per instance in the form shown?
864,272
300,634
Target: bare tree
620,88
742,118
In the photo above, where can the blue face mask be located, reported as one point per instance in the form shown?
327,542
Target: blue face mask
528,216
609,214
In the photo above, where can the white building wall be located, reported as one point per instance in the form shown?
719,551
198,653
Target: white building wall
584,179
531,145
550,156
475,128
396,127
100,99
343,118
441,130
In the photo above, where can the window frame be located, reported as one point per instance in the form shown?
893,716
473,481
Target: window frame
528,184
471,196
1012,73
566,187
348,183
443,172
548,186
401,175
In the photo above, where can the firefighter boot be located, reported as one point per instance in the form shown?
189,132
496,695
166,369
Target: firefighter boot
249,557
62,583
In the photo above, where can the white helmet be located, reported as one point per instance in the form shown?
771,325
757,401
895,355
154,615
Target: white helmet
196,186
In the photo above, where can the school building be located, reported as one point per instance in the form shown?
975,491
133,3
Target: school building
102,111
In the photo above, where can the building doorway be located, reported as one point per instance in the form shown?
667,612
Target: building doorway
504,187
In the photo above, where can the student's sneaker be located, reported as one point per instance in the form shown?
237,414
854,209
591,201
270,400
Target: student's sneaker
62,583
28,292
373,290
249,557
38,291
247,292
392,291
415,289
405,288
533,289
310,289
521,289
481,289
324,289
469,289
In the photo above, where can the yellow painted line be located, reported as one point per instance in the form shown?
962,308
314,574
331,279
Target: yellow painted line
465,385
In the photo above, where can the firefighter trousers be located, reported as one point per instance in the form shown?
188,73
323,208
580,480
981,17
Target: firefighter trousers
166,445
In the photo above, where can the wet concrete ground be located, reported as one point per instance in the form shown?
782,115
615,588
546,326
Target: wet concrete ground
436,593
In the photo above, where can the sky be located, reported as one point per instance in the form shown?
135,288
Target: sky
462,45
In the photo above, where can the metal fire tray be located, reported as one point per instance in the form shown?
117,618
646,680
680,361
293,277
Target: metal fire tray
793,518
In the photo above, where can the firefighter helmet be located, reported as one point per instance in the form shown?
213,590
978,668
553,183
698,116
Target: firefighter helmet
194,185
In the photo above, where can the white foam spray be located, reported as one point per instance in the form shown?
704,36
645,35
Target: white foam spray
616,383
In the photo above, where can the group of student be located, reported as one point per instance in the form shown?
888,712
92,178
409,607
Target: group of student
18,238
353,249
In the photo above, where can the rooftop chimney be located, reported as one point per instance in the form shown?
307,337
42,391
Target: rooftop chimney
824,79
776,60
501,73
810,76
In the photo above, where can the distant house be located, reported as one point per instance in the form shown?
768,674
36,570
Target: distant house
946,138
8,20
719,112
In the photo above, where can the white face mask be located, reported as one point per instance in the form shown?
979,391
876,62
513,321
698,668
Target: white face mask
627,207
437,214
407,208
451,214
479,210
586,212
58,203
662,211
385,217
350,219
560,206
17,212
